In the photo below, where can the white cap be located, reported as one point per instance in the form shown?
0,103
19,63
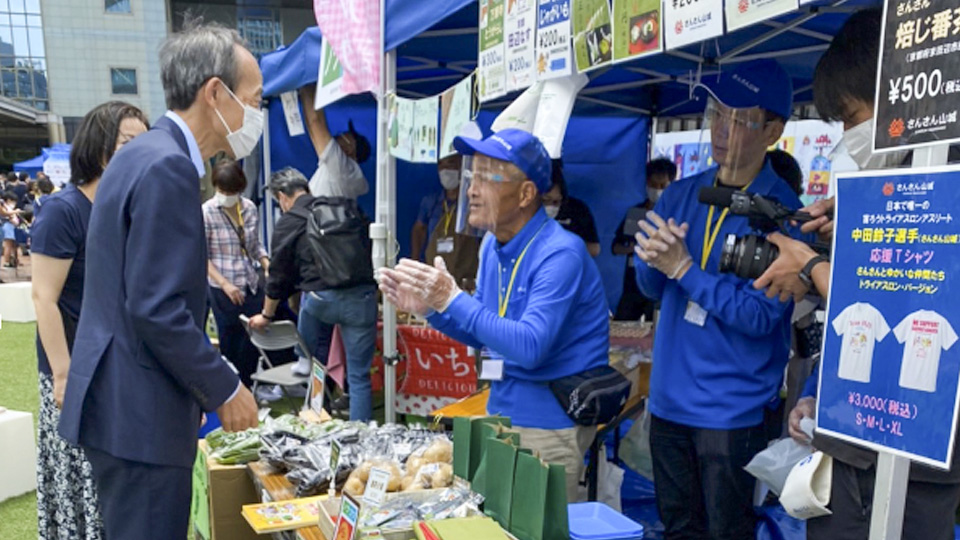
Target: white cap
806,493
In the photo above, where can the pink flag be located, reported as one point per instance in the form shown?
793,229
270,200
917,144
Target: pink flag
352,28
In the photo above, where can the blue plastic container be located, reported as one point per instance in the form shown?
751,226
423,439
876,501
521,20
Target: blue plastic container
597,521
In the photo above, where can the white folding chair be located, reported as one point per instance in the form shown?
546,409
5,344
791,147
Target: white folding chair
277,336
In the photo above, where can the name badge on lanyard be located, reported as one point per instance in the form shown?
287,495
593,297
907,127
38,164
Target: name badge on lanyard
445,245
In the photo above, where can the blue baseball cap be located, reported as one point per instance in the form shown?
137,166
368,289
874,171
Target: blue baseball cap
516,146
761,83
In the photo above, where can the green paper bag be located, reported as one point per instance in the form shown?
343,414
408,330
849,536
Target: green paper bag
529,498
468,443
501,459
491,431
556,525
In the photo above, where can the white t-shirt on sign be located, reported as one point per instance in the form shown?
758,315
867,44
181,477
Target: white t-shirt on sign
337,175
861,326
923,334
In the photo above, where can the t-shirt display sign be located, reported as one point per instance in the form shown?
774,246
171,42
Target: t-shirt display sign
691,21
492,77
861,325
553,39
742,13
890,366
918,85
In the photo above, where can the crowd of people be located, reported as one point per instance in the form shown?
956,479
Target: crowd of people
127,370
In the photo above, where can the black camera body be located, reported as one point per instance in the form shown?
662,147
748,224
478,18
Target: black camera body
749,256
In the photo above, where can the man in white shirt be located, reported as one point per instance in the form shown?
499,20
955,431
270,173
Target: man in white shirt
338,171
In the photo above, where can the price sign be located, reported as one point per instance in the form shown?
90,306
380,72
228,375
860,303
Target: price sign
335,456
349,515
918,87
376,489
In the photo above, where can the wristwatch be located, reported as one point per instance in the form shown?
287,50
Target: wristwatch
806,273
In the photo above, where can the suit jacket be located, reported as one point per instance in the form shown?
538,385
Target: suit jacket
142,367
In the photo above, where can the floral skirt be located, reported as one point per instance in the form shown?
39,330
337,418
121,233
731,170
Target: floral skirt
66,492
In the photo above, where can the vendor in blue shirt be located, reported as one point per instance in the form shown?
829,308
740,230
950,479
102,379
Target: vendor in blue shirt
539,310
721,346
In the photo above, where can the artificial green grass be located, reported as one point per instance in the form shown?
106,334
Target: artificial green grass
18,391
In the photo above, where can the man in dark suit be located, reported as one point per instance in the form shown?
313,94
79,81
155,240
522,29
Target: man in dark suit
142,368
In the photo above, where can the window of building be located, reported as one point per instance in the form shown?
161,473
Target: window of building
117,6
260,27
23,73
123,81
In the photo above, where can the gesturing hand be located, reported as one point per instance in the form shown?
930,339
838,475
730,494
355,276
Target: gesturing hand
433,287
661,245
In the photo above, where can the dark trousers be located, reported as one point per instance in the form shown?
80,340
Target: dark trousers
702,490
633,304
139,500
929,515
234,340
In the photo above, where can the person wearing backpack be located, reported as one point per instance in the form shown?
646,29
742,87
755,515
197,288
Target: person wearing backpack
320,248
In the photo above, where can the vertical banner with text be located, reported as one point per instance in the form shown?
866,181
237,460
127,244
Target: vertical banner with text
492,77
636,29
521,30
553,39
918,86
891,363
400,125
691,21
425,113
592,34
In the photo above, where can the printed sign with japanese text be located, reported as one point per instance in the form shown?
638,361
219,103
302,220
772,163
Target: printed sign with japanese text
592,34
691,21
492,77
636,29
891,363
918,86
742,13
521,29
553,39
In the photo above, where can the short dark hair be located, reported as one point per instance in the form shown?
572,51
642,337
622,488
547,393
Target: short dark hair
11,177
45,186
228,177
23,176
787,168
848,69
10,196
362,143
288,181
96,139
556,177
662,166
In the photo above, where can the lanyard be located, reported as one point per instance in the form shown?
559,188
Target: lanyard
241,231
709,239
447,217
504,301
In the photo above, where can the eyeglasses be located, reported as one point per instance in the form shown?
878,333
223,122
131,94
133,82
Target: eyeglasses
737,119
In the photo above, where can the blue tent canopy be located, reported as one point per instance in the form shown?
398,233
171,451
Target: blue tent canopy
35,164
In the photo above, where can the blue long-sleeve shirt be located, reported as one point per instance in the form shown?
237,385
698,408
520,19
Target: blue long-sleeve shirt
555,323
722,374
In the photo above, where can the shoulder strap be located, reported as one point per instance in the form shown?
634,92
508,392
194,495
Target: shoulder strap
300,212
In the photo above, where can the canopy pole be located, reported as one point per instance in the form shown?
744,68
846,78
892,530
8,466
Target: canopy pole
384,231
266,167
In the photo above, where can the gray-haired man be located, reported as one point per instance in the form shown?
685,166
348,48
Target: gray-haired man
142,368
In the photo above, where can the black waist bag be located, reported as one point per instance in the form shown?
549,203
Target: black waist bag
592,397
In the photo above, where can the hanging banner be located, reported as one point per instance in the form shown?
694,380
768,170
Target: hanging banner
918,87
691,21
329,78
636,29
553,111
455,112
742,13
400,125
436,364
592,34
891,363
425,114
291,113
521,29
553,39
353,31
492,78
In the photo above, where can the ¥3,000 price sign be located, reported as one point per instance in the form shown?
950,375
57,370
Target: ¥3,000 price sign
918,86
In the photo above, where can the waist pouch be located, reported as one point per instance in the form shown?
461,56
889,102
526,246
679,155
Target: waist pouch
592,397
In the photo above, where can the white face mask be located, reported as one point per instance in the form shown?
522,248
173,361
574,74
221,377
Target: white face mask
653,195
450,178
552,210
244,140
227,200
858,142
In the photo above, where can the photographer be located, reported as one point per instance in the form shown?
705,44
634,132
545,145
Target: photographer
932,495
721,345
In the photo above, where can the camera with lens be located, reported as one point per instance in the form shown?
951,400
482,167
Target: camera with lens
750,255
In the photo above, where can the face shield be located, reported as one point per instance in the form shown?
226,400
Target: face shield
739,138
488,188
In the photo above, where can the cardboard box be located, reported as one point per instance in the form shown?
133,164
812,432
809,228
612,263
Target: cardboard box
220,491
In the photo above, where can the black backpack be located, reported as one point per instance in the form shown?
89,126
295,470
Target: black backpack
338,233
